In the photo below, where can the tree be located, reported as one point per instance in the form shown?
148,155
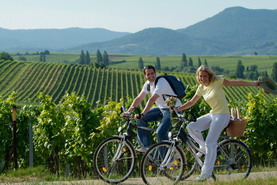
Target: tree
87,58
239,70
47,52
199,62
184,61
99,57
82,58
274,72
206,63
158,63
5,56
42,57
106,58
253,68
140,63
190,62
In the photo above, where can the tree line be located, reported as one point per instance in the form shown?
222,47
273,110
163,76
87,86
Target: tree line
187,65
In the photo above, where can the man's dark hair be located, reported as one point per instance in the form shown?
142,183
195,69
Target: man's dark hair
149,67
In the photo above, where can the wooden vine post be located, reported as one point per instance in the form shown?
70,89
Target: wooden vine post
14,137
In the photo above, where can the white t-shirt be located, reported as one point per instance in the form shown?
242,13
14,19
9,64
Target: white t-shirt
162,89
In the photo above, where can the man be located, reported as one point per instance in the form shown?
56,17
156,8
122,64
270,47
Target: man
159,93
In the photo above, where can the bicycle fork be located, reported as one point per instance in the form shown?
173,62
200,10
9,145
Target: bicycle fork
120,149
168,155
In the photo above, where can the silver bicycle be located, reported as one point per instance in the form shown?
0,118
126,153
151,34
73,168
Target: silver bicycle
115,157
178,158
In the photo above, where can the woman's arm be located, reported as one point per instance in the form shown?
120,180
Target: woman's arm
189,104
240,83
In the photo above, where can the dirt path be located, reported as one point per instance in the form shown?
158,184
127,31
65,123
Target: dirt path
138,181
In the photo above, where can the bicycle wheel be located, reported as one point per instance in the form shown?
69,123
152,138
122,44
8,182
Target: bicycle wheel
162,163
233,159
114,159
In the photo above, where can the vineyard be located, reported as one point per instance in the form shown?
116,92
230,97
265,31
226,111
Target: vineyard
27,79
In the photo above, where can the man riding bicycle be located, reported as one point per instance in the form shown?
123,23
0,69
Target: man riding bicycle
159,93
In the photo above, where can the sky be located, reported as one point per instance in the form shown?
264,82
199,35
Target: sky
116,15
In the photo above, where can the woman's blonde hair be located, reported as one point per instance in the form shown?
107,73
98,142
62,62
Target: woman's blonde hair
206,69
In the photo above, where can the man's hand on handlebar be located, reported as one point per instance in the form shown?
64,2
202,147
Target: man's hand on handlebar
138,116
125,114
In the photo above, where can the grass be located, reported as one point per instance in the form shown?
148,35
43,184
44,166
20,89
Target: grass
36,174
41,175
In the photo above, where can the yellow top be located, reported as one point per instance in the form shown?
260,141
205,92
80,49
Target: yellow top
214,95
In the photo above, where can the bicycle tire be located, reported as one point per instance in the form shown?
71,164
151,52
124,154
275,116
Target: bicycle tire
233,159
111,168
154,170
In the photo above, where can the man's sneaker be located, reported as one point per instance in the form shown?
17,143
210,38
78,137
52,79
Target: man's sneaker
141,150
202,177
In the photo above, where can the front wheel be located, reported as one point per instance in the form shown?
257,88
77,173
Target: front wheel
114,159
162,164
233,159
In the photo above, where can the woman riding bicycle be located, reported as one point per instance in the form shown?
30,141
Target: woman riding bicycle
211,88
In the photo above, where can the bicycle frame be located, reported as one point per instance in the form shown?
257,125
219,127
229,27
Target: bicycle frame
129,134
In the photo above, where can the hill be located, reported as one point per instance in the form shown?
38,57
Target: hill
234,31
238,28
151,41
52,39
97,85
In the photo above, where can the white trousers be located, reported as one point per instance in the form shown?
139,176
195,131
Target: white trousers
216,124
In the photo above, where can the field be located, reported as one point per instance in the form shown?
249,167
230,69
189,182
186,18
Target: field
264,63
97,85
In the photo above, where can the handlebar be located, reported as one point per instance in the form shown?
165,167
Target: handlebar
182,116
129,115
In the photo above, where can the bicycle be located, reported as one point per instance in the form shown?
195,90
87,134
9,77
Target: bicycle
233,157
115,157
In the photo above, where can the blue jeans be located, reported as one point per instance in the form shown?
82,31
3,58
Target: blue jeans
155,114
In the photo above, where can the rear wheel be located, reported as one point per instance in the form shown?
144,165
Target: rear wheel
114,159
233,159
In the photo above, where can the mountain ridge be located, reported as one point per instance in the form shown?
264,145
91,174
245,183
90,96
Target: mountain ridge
233,31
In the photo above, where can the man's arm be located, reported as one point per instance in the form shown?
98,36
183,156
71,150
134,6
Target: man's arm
150,103
137,101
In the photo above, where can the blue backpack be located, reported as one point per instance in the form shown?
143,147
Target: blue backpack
176,85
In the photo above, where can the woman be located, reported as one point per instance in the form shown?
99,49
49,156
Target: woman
211,88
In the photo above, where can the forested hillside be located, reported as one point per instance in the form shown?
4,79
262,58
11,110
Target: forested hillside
27,79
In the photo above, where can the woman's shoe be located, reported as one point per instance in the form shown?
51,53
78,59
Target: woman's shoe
202,177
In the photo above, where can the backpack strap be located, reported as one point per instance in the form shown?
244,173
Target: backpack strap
165,76
148,87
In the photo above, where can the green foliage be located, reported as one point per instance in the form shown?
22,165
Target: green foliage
106,60
5,127
239,70
274,72
99,57
110,121
140,63
158,63
5,56
261,127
